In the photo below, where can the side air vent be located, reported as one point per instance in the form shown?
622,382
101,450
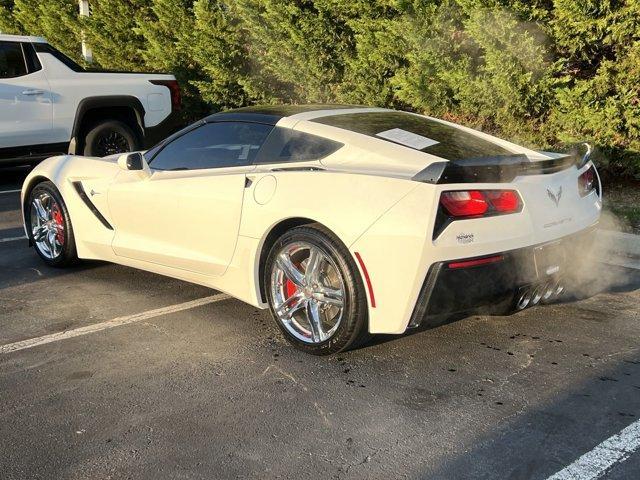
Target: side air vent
83,195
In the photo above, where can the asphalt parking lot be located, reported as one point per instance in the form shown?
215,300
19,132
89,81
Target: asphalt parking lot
155,387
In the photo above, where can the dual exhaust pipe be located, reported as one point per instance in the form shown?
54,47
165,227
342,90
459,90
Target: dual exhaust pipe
531,295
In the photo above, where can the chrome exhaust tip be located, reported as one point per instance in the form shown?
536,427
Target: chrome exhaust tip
524,299
537,294
549,291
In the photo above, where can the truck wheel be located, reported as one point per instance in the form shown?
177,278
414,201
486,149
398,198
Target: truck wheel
110,137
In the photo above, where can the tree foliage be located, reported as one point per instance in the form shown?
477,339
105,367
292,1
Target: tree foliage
8,23
542,72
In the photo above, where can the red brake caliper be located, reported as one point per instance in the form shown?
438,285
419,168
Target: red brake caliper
290,288
57,218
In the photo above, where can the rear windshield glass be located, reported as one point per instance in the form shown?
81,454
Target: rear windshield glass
417,132
286,145
46,48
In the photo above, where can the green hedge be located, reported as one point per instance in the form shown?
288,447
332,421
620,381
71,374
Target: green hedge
545,73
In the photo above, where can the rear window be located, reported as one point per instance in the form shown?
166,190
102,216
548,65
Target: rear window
285,145
46,48
418,133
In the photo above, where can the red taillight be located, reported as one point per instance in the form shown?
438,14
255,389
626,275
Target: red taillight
504,201
464,203
587,182
174,90
473,203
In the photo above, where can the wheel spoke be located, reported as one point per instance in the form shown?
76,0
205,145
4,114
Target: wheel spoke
290,270
39,232
313,266
330,296
51,242
40,210
313,315
291,305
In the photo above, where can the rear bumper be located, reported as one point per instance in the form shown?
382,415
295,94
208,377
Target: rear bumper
490,284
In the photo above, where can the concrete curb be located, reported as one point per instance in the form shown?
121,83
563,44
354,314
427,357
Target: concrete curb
618,248
626,244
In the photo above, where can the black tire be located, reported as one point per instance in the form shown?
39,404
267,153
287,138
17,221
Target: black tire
67,255
353,327
110,137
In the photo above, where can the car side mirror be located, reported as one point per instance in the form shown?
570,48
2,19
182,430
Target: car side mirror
131,161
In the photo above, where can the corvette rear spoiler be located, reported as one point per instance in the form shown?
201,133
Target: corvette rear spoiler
498,169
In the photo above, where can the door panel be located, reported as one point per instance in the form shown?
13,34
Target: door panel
26,108
182,219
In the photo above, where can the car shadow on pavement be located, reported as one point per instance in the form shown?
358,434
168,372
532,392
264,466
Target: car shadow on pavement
569,420
12,177
27,267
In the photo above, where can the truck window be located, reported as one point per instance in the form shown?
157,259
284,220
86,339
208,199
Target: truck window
46,48
12,62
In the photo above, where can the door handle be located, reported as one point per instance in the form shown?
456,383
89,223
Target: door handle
33,92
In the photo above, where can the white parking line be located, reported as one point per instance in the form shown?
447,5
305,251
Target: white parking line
597,462
10,191
116,322
12,239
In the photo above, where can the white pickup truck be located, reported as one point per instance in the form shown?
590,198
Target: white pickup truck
49,105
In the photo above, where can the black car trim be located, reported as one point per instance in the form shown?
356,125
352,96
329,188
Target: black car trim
306,168
420,309
83,195
32,153
482,286
497,169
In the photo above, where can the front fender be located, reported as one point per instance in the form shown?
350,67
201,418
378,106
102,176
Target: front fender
93,240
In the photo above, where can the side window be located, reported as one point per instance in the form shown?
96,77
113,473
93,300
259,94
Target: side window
12,62
213,145
33,63
286,145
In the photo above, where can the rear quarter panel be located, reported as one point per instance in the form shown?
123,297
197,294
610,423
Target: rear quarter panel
343,202
399,247
347,204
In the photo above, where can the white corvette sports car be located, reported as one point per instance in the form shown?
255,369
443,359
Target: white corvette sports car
344,221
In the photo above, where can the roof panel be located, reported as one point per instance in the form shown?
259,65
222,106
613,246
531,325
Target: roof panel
418,132
271,113
21,38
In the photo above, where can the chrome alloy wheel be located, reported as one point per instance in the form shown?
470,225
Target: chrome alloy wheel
47,225
308,292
